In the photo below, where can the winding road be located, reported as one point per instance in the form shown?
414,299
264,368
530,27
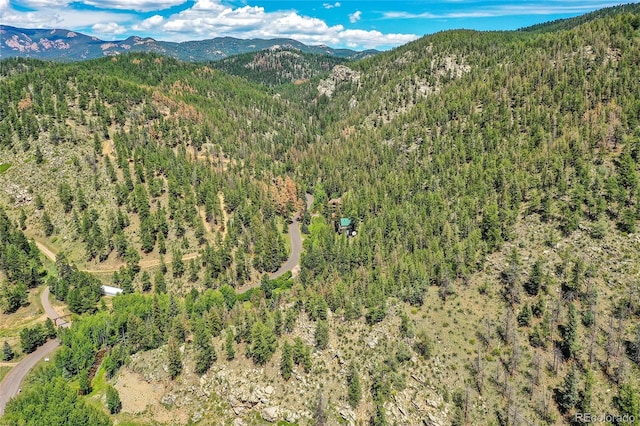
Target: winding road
10,385
293,262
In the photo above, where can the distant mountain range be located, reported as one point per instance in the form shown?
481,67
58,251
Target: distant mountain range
68,46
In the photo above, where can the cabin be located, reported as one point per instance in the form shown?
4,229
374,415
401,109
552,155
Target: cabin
346,225
111,291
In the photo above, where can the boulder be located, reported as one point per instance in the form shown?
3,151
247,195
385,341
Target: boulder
270,414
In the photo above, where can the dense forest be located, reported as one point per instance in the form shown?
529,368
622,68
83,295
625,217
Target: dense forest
492,178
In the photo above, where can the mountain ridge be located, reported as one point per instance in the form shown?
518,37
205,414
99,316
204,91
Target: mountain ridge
67,46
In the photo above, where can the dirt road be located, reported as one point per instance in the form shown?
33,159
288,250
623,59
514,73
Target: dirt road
144,264
11,383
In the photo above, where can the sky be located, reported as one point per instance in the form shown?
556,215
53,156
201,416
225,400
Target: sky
341,24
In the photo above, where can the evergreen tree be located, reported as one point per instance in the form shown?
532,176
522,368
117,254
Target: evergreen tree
568,395
23,220
532,285
423,344
145,281
263,343
159,283
177,265
354,390
628,401
84,384
174,358
205,354
322,335
39,204
47,225
114,405
132,258
570,333
7,352
49,328
229,345
286,361
586,396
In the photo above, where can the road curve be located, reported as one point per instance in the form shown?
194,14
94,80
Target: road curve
296,244
11,383
296,250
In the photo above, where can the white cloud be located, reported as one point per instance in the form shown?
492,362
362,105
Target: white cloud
373,39
137,5
108,28
60,18
149,23
331,6
209,18
355,16
538,8
36,4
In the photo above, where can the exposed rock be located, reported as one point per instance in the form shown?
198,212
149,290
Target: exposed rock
339,74
168,399
195,418
239,422
348,415
270,414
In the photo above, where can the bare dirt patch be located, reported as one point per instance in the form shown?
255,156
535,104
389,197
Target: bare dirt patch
142,397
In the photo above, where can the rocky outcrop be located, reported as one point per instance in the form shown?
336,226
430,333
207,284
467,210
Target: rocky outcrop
339,74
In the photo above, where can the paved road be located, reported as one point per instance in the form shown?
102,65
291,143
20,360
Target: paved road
13,380
293,261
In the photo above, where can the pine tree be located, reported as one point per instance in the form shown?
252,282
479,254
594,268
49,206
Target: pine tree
23,220
50,329
47,225
38,202
532,285
159,282
229,348
423,344
145,281
628,401
322,335
132,258
7,352
586,396
568,394
570,333
286,362
113,400
263,343
84,384
354,393
177,264
205,354
174,358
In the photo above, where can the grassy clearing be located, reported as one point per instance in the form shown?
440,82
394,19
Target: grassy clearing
3,372
27,316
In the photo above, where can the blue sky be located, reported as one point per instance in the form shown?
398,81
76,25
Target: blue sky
353,24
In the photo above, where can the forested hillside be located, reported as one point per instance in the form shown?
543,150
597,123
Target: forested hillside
492,178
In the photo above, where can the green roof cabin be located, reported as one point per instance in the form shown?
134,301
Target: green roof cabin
345,224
